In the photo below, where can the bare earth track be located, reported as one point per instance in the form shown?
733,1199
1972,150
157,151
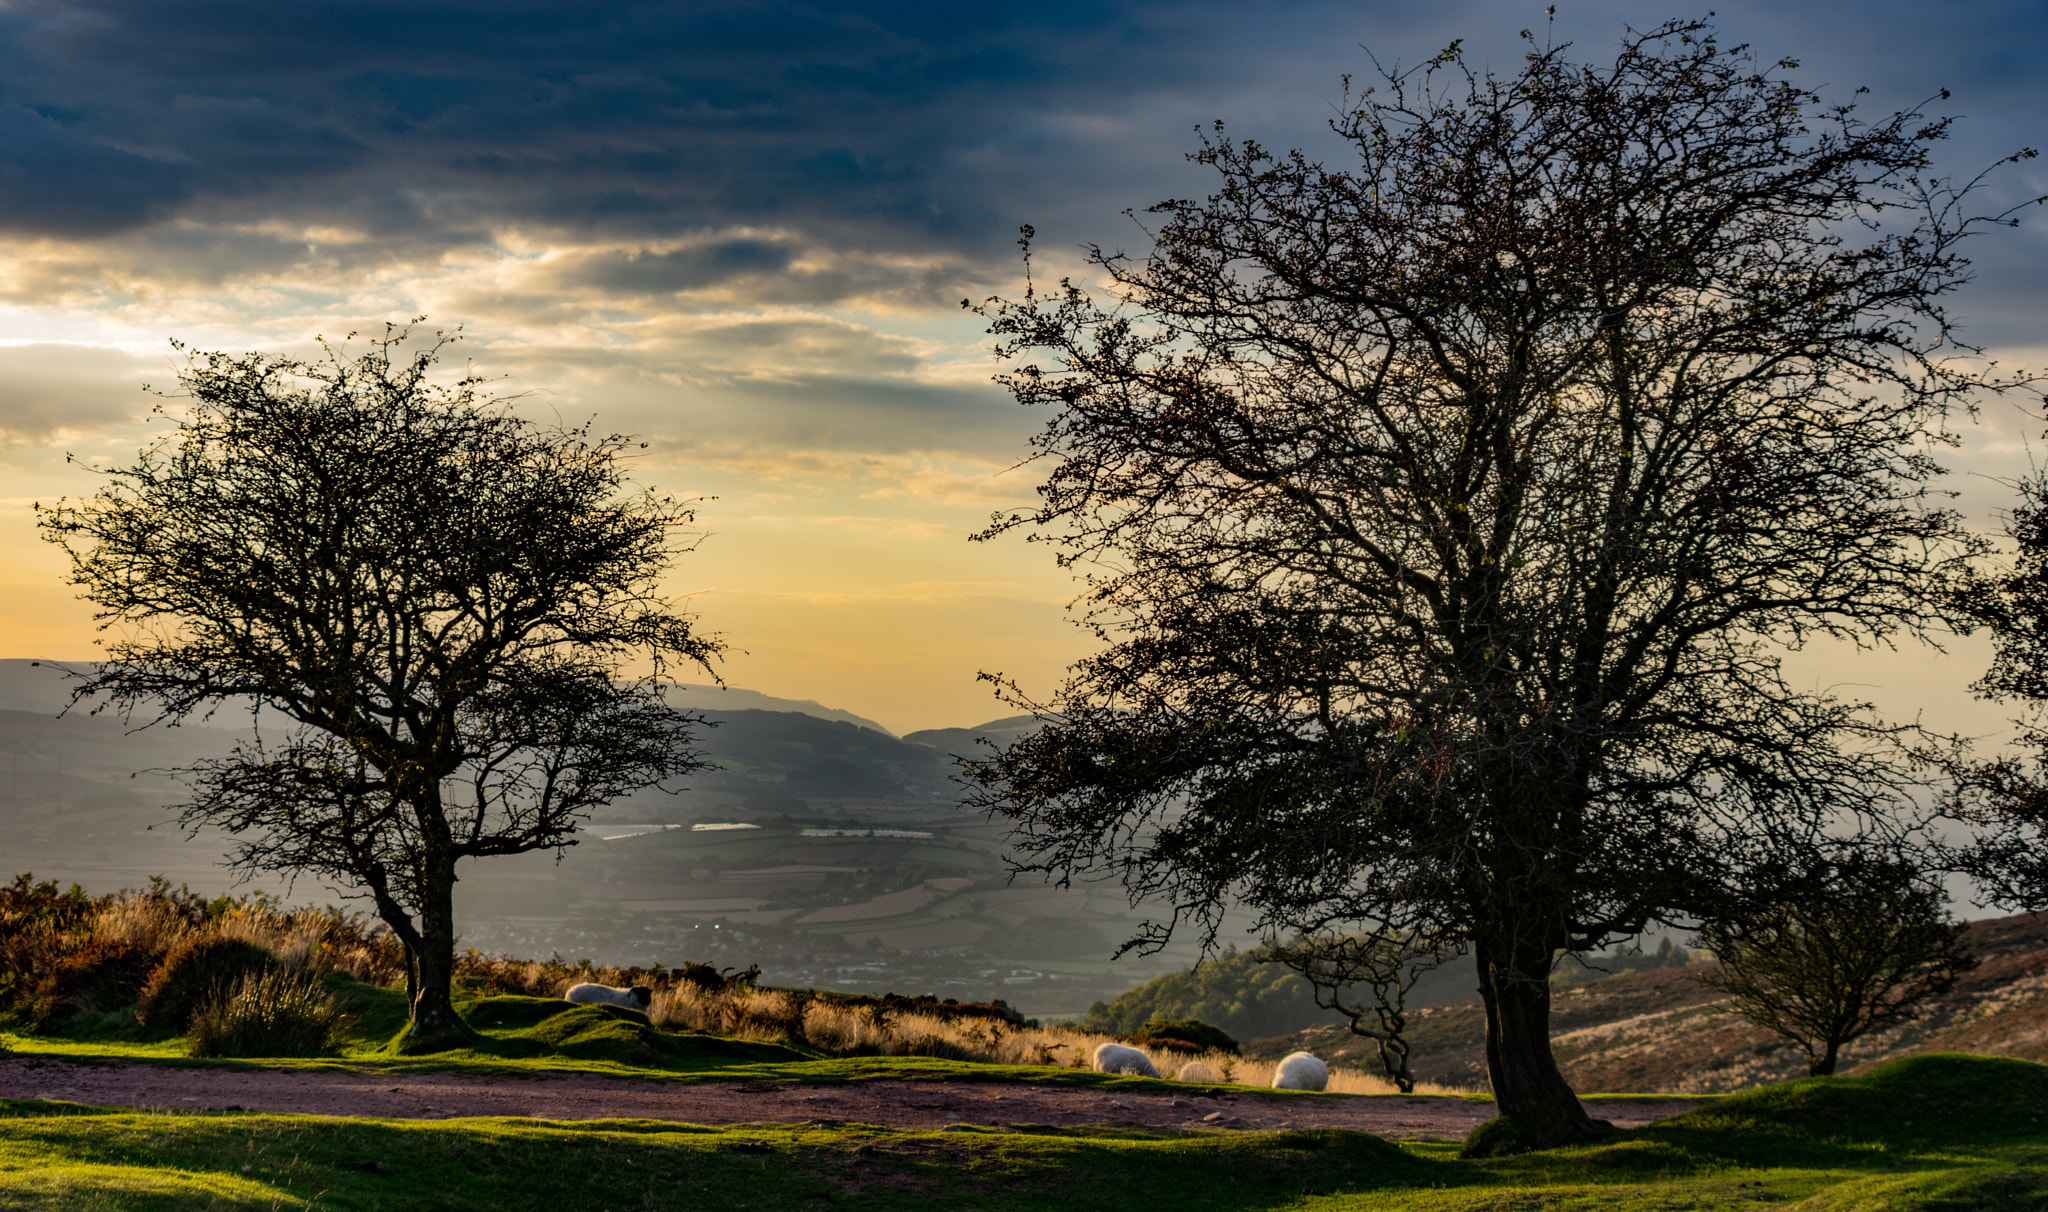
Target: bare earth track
892,1104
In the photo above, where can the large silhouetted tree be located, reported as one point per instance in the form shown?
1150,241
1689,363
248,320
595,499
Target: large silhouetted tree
1445,514
438,596
2005,798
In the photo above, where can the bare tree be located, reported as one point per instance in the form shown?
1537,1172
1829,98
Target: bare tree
1854,947
1385,966
438,596
1445,517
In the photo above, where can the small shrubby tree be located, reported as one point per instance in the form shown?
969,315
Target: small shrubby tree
438,597
1367,979
1853,947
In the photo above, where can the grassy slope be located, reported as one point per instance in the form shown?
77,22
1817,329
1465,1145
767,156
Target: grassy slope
528,1035
1945,1132
1661,1030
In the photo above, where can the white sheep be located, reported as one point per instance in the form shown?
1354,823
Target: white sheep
1196,1071
1115,1058
1300,1071
639,997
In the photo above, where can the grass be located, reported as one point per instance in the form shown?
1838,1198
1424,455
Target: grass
527,1034
1844,1144
1918,1135
128,1160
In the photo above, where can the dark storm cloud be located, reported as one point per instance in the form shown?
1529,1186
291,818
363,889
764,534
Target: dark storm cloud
54,183
927,129
635,120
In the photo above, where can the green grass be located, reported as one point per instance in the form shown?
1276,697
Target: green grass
1823,1145
1918,1135
528,1034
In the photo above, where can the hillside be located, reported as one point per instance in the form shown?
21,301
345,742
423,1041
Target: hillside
967,742
1661,1032
857,871
769,756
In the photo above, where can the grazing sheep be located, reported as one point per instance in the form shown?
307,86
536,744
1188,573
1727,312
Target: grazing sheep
1300,1071
1115,1058
1196,1071
639,997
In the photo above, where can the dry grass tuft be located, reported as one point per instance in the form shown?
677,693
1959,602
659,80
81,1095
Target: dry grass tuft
65,954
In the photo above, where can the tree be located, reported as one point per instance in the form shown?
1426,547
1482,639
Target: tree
1854,947
1388,965
1242,992
438,596
2005,800
1445,517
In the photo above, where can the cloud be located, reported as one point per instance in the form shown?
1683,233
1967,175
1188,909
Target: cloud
55,181
52,392
868,127
765,152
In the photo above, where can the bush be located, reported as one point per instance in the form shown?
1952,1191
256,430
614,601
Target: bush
1197,1035
26,902
274,1012
1850,947
1238,991
72,977
938,1046
99,977
195,972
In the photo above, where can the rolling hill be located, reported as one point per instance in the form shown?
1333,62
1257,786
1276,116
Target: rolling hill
855,867
1662,1032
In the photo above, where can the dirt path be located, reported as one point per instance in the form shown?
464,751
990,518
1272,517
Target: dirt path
895,1104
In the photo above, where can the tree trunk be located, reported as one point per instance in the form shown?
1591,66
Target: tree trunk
1824,1064
1536,1107
1394,1059
435,1026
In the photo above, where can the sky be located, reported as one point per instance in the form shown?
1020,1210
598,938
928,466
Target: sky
742,231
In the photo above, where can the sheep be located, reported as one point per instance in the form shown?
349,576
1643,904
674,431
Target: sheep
1196,1071
639,997
1300,1071
1115,1058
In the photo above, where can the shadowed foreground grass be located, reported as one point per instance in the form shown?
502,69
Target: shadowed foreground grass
1945,1132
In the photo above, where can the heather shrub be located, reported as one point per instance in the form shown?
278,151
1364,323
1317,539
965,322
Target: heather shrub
152,924
75,977
937,1046
1189,1035
489,974
193,973
272,1012
102,976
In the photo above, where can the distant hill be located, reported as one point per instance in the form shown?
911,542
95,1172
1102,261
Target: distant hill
41,686
787,756
966,742
1661,1031
786,761
38,687
731,698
